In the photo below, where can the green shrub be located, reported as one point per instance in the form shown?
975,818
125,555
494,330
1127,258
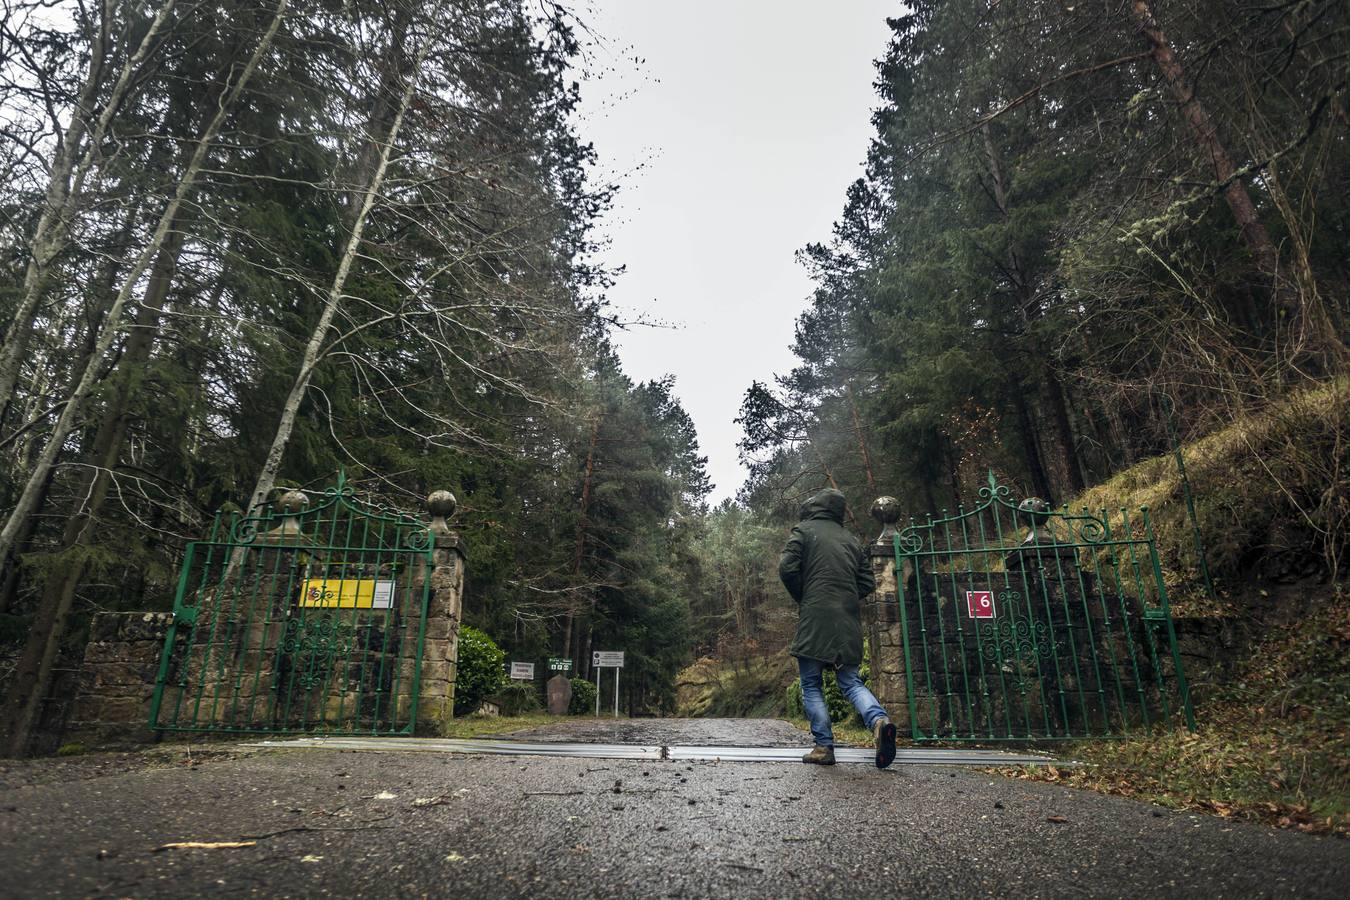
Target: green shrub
517,697
71,750
583,698
479,673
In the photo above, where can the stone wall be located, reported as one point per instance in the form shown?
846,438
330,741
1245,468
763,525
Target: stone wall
116,681
885,646
436,702
117,678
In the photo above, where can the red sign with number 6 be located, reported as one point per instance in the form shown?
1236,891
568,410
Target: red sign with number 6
980,604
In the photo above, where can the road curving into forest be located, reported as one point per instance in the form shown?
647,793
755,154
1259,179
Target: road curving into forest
324,822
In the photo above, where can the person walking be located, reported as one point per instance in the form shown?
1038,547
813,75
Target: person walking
827,573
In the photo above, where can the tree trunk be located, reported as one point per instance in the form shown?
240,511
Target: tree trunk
66,183
581,530
829,476
862,439
930,502
1059,414
1206,136
1028,311
32,676
378,163
112,321
1030,446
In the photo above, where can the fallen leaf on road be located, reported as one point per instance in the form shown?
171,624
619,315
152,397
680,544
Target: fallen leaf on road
1058,820
384,795
310,858
430,801
206,845
455,857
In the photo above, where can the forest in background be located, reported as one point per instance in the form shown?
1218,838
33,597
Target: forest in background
246,244
1085,231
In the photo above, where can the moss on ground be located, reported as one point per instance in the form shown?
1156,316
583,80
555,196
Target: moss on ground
1273,744
1269,492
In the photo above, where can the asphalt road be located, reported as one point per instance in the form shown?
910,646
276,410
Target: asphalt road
412,824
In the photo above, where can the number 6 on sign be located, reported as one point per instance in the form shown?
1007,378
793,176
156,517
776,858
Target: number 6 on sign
980,604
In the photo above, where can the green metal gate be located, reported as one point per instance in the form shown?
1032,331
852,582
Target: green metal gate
1020,622
309,617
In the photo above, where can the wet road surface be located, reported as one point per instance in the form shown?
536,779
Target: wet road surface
905,756
410,824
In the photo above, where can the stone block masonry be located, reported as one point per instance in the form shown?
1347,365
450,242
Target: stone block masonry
885,643
232,661
436,703
117,678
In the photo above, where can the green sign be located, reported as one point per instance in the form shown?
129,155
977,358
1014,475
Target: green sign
558,664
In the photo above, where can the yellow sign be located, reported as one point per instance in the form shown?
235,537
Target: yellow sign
348,593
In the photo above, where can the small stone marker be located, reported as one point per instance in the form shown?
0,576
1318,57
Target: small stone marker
559,695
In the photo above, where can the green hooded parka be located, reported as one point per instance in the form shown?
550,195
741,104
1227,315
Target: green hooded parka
826,571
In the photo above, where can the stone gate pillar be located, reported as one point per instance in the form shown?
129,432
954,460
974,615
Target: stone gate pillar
881,619
440,653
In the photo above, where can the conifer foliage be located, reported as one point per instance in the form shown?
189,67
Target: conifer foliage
244,244
1074,215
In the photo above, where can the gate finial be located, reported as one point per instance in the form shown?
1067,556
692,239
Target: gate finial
886,510
441,505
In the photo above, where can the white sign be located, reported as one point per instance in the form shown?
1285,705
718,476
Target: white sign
522,671
383,595
607,659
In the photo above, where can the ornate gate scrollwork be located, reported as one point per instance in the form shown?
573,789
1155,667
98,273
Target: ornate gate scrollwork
1020,622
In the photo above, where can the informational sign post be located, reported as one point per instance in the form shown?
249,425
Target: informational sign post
559,664
980,604
522,671
607,659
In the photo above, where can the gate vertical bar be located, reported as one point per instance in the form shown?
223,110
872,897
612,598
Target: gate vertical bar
900,579
1182,685
1054,632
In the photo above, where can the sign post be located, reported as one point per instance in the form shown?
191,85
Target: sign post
607,659
521,671
559,664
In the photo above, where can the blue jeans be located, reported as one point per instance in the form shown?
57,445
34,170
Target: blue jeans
813,698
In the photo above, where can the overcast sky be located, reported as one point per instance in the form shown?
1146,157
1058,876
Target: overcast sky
734,140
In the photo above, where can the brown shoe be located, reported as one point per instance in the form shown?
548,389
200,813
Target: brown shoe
884,732
820,756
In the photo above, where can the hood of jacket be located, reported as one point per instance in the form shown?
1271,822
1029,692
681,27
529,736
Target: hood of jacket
828,504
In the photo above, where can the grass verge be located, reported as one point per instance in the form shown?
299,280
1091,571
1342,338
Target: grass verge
477,726
1273,742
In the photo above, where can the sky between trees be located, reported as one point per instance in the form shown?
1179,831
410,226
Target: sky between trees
733,134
